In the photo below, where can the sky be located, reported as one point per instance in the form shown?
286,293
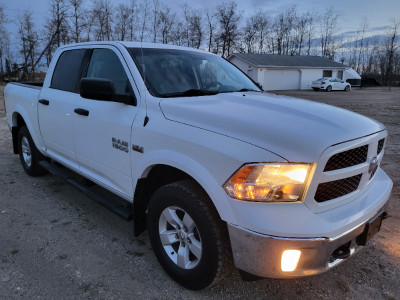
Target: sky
351,12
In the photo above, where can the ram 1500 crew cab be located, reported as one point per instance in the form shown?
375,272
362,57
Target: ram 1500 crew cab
214,167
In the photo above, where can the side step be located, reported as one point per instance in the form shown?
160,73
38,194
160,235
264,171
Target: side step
122,210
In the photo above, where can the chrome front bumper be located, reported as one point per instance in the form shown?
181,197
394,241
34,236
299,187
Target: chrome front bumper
260,254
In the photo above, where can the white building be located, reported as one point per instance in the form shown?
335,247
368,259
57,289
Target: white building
285,72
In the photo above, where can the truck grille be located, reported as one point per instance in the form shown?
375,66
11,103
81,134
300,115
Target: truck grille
347,158
380,145
338,188
343,171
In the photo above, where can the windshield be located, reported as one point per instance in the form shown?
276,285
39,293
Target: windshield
174,73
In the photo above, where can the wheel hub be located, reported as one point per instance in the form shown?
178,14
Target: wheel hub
26,151
180,237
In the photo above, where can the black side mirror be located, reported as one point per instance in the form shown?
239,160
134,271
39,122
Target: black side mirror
97,89
104,90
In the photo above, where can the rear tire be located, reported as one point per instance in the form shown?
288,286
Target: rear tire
329,88
347,88
188,237
29,154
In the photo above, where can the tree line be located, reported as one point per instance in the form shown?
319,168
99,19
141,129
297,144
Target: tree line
223,29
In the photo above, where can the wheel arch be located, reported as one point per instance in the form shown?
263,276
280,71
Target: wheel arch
165,171
17,122
20,117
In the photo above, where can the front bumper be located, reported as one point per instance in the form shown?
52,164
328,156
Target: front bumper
260,254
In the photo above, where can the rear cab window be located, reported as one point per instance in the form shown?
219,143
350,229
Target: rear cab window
68,71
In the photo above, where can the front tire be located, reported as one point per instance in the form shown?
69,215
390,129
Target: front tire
187,235
329,88
29,154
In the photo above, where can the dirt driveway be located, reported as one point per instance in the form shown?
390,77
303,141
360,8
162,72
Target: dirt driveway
57,244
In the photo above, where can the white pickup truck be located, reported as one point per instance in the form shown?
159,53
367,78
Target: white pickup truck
213,167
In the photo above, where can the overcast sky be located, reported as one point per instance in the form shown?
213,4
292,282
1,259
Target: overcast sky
378,12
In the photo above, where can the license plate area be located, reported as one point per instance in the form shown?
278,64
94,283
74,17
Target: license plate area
371,228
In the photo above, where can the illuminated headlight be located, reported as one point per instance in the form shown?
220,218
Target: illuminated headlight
274,182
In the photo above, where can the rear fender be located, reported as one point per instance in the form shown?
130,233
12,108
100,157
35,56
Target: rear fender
33,130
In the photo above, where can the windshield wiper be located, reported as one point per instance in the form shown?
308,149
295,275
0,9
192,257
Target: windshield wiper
189,93
247,90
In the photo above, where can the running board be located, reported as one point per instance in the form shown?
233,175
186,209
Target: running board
121,210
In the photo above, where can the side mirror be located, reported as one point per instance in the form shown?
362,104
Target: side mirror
103,90
259,85
97,89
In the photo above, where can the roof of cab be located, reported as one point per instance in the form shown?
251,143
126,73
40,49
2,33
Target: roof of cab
132,45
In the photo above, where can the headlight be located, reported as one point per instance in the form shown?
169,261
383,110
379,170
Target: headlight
275,182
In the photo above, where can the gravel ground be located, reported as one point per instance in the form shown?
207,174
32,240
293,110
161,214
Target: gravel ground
57,244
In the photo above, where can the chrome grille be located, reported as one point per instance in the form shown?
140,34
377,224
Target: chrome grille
347,159
338,188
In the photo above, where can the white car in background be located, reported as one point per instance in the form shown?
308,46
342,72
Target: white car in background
330,84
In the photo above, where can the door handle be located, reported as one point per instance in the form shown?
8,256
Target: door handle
81,111
44,102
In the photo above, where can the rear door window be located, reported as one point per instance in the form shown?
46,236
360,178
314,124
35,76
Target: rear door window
68,71
105,64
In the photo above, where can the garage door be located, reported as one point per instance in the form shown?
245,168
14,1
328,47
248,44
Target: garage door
281,80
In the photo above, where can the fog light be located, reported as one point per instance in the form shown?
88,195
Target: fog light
289,261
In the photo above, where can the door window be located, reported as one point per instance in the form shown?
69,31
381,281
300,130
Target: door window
105,64
68,71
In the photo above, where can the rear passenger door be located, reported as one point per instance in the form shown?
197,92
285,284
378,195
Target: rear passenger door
56,107
103,137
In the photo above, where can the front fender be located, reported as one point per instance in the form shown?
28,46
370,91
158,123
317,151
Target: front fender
194,169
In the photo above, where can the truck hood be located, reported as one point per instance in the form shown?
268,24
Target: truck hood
297,130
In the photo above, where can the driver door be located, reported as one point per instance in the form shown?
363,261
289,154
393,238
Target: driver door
103,136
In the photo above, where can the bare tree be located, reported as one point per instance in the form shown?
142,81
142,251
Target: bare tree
280,28
290,16
58,19
300,32
211,27
392,46
262,32
77,19
133,19
362,48
166,21
310,30
142,19
102,14
4,41
249,33
156,12
29,44
123,21
228,18
327,30
177,33
196,30
186,23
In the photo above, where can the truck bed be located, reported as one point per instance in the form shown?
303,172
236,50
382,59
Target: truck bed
30,84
